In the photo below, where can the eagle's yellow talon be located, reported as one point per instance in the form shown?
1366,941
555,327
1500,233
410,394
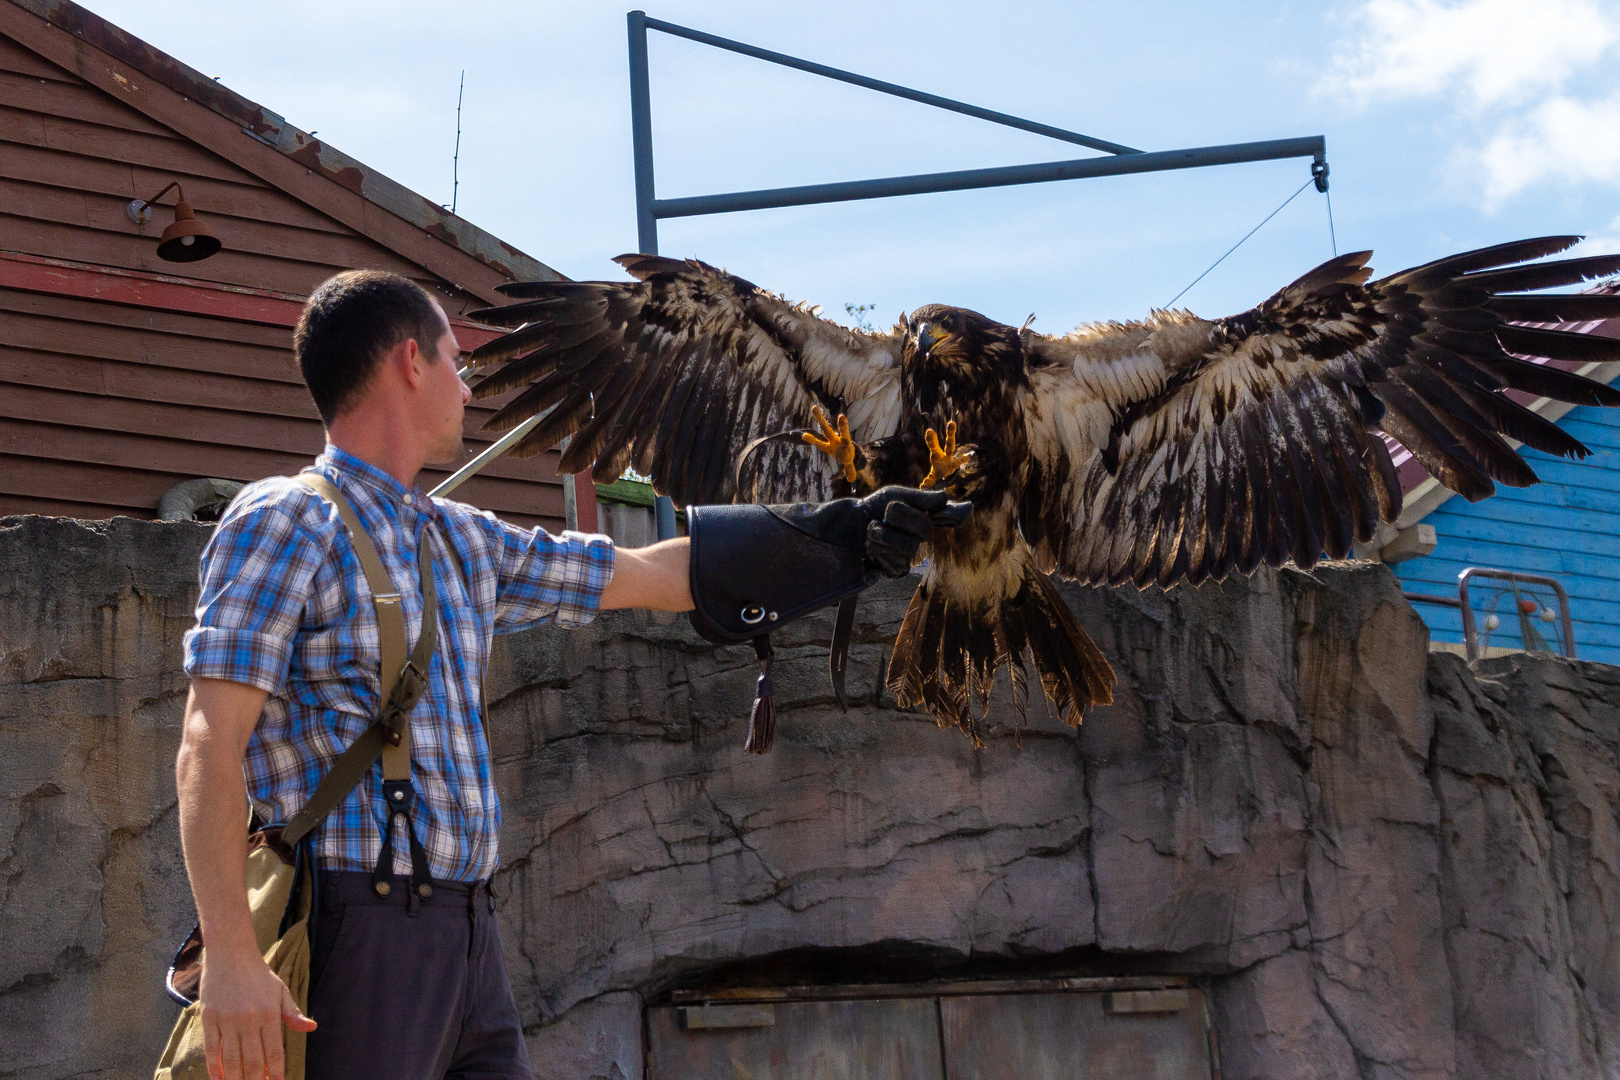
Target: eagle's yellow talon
943,461
834,440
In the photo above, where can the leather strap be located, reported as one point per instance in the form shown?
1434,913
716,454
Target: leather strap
395,716
393,744
349,769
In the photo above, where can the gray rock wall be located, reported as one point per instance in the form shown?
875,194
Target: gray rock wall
1382,863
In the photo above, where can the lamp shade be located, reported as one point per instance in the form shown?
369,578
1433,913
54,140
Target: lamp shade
187,239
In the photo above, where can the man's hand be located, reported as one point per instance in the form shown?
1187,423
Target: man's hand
243,1003
244,1006
902,519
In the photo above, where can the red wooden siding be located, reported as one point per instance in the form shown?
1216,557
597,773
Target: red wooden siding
147,395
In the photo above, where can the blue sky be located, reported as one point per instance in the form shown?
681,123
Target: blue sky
1448,125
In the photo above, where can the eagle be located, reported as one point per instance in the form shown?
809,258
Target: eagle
1168,449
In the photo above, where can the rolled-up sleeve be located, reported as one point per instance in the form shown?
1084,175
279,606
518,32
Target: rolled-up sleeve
555,579
256,575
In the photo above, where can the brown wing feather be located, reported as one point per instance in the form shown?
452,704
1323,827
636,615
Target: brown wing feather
1178,448
676,373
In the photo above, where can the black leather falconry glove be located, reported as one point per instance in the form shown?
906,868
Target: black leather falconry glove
755,568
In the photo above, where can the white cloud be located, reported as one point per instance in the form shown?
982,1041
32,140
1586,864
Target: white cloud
1604,243
1527,72
1497,51
1561,139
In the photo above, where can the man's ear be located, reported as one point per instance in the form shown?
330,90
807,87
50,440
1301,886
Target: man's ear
410,359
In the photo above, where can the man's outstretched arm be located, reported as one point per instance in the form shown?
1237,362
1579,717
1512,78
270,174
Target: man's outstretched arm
657,578
243,1003
888,526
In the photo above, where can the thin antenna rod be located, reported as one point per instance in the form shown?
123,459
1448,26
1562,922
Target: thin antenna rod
455,162
490,453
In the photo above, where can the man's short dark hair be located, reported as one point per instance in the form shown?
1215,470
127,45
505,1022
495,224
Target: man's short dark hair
349,323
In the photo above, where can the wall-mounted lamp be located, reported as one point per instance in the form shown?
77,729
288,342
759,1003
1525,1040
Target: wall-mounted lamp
187,239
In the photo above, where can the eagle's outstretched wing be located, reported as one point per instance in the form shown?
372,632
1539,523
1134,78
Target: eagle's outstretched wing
1181,448
675,374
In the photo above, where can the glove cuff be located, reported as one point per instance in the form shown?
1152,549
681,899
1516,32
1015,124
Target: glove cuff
755,567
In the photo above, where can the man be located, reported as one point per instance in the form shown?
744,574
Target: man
285,669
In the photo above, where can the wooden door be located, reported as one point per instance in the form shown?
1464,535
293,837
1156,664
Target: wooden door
1150,1033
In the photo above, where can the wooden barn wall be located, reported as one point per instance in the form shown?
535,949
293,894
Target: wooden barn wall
107,406
104,406
1568,527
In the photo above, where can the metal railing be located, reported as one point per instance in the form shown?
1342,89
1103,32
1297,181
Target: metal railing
1471,632
1470,625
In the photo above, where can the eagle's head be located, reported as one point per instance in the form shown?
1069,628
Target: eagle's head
951,341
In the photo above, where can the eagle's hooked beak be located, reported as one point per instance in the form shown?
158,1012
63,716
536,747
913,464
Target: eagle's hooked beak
928,337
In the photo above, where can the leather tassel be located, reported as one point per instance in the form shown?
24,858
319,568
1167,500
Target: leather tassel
762,720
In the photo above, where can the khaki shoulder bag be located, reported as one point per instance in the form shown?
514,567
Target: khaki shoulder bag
281,877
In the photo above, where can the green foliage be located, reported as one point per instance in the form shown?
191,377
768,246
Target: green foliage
857,315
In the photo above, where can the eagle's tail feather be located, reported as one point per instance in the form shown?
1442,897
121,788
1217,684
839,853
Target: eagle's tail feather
1073,671
947,653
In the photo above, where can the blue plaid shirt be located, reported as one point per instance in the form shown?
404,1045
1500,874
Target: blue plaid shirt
285,607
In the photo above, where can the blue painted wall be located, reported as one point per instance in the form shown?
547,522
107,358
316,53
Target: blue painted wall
1567,526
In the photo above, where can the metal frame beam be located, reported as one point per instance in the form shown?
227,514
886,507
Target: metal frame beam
838,75
1005,176
1124,160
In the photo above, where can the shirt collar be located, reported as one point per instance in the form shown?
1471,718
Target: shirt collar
345,465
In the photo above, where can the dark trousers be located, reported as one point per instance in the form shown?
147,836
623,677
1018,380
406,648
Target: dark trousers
410,990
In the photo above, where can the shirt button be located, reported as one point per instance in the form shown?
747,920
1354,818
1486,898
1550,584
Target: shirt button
408,499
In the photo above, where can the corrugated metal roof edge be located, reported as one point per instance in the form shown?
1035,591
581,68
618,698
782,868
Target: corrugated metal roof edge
270,128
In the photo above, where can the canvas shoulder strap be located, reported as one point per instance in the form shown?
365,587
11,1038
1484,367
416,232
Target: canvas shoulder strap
404,682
